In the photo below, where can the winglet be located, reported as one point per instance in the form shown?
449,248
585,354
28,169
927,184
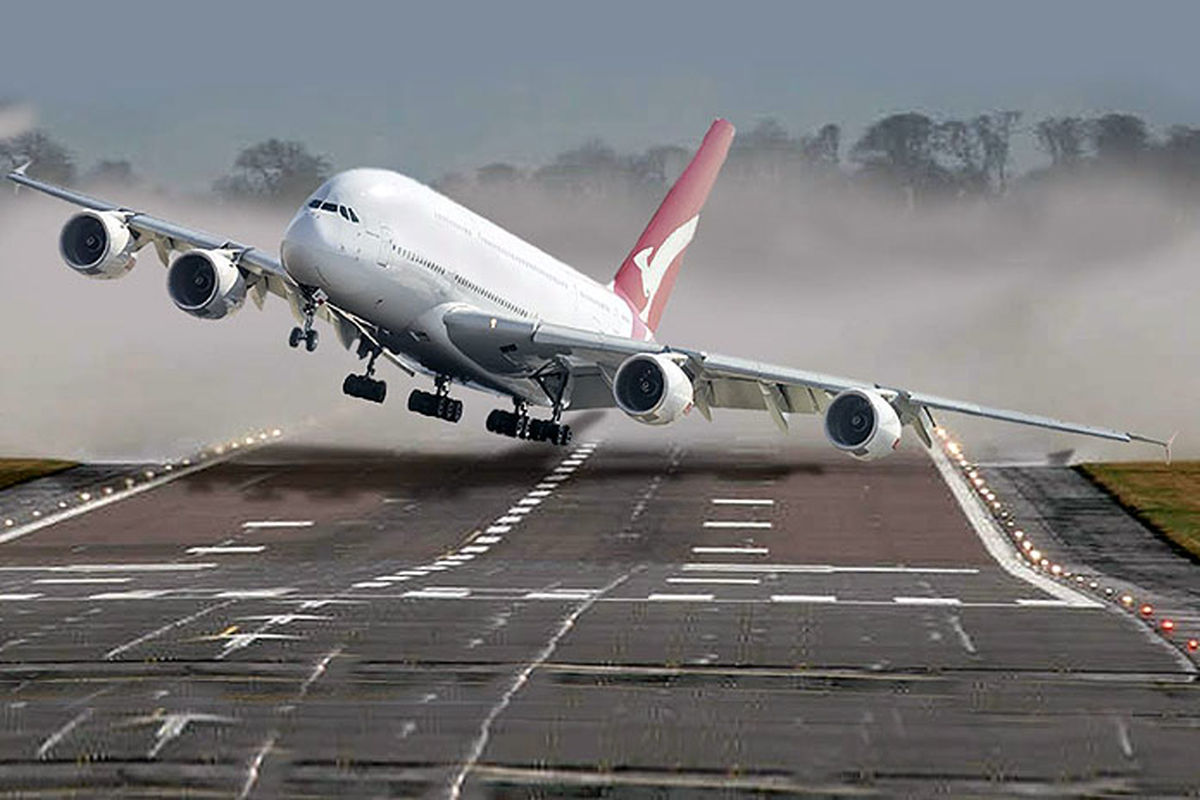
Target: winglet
20,172
1164,445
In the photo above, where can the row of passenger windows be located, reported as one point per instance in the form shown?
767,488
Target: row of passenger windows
345,212
439,269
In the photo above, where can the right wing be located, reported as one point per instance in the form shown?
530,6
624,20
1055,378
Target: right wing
264,273
516,345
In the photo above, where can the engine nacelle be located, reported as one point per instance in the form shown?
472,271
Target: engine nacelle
97,244
206,284
863,424
652,389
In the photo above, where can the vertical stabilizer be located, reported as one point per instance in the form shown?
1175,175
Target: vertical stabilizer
648,272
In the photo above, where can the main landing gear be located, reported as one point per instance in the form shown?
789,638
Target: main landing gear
517,424
366,387
307,334
440,405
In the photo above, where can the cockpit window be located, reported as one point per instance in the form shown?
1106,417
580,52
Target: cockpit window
353,216
343,212
329,207
314,203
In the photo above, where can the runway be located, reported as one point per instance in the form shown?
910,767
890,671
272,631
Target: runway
663,620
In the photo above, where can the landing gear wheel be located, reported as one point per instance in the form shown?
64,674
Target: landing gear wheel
310,340
365,388
563,435
295,337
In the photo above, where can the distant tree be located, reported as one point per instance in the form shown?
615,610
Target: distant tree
274,171
661,164
591,167
823,148
51,161
958,144
994,132
1063,139
1119,137
900,149
497,174
112,172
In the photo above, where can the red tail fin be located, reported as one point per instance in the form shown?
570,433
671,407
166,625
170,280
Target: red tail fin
648,272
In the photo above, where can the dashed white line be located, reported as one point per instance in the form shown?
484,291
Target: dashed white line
820,569
539,493
497,529
694,598
529,501
226,550
20,596
171,567
62,732
803,598
741,501
735,581
252,594
751,551
927,601
279,523
1021,601
509,519
559,594
83,580
725,524
135,594
428,594
520,510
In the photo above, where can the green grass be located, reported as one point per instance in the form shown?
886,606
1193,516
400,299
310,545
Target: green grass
19,470
1167,497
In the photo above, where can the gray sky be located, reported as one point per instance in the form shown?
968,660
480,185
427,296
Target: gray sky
431,87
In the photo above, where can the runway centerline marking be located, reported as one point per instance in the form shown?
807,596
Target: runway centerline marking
803,598
278,523
144,567
135,594
694,598
927,601
735,581
725,524
154,634
822,569
21,596
83,580
741,501
253,594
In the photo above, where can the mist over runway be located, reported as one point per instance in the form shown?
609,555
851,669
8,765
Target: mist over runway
734,617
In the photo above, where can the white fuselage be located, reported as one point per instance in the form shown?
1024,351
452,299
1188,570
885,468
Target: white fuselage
413,254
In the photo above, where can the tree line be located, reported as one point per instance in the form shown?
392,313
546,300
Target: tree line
918,158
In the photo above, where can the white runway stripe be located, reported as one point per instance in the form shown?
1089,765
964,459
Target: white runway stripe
741,501
497,529
927,601
559,595
279,523
822,569
83,580
430,594
1021,601
750,551
736,581
225,550
489,539
509,520
475,548
736,525
803,598
252,594
134,594
26,596
135,567
663,596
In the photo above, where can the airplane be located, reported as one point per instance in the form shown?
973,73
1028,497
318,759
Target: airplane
404,273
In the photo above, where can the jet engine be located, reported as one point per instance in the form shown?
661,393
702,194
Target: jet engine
206,284
863,424
652,388
97,244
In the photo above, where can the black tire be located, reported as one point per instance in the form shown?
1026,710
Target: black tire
295,337
564,436
511,425
456,410
352,386
378,391
492,423
310,340
416,401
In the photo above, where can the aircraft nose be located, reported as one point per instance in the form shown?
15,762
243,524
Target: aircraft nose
303,247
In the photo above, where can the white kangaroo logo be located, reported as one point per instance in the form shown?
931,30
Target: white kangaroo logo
655,269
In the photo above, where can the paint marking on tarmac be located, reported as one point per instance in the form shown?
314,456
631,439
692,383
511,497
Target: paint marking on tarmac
144,567
430,594
821,569
539,493
489,539
509,520
520,510
278,523
747,551
1043,603
560,594
160,631
927,601
226,549
497,529
725,524
83,580
135,594
474,548
20,596
529,501
736,581
692,598
803,598
252,594
741,501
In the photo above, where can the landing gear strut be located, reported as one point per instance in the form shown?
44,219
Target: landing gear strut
307,334
366,387
440,405
517,424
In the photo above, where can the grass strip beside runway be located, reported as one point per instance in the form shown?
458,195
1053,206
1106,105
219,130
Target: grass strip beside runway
19,470
1165,496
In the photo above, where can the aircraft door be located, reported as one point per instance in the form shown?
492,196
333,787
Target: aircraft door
385,246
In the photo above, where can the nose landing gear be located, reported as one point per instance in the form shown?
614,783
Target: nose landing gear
307,334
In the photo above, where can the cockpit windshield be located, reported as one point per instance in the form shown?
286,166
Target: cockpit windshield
345,212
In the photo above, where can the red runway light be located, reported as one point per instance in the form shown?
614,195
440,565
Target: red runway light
1147,610
1193,645
1168,625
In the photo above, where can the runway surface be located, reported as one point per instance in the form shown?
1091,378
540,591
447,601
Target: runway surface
660,620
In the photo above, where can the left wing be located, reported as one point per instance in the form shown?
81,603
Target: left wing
264,273
718,381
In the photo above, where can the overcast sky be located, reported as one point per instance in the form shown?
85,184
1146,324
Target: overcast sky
431,87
